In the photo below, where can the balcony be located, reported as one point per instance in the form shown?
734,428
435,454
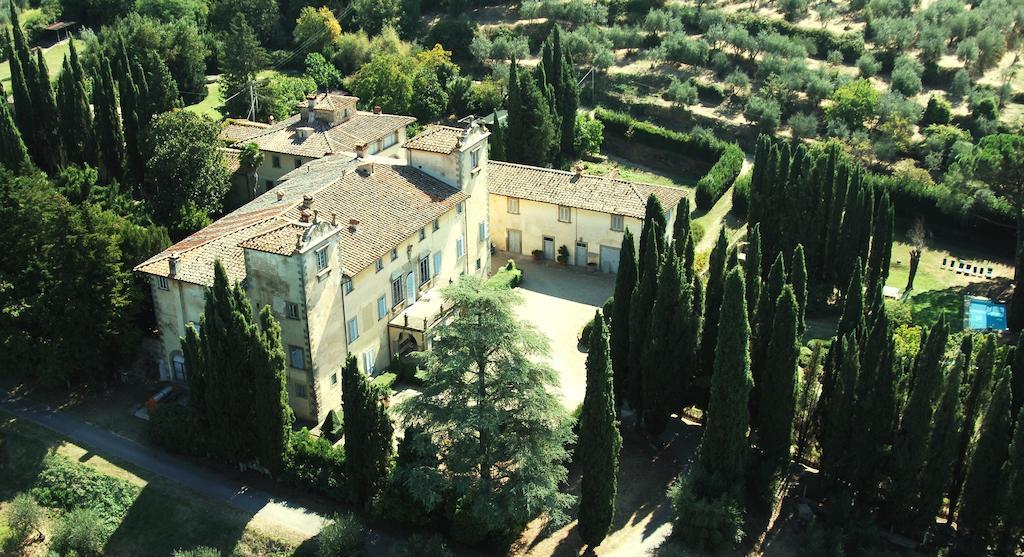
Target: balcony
407,328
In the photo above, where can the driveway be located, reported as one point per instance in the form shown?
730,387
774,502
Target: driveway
559,300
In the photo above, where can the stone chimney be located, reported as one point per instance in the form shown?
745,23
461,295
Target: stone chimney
578,169
305,215
172,263
334,219
280,195
361,150
307,201
352,224
377,109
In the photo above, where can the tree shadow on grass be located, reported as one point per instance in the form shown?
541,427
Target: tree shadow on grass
22,453
929,305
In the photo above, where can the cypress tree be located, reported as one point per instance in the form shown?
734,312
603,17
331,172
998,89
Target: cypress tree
538,131
640,318
497,142
75,115
23,83
158,90
752,270
761,328
778,390
681,227
985,487
570,101
130,110
941,451
272,415
654,213
625,285
664,368
977,392
1013,512
881,244
47,124
13,154
1017,378
109,133
599,442
515,140
724,444
911,447
798,278
874,409
835,442
368,433
852,319
713,292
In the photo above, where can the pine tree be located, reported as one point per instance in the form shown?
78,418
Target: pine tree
13,154
109,132
625,285
752,270
514,136
1013,512
640,318
599,443
941,451
240,65
977,391
985,488
778,388
798,278
713,293
665,373
497,141
724,444
911,447
368,433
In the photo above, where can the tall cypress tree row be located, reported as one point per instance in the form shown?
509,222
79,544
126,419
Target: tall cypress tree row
368,433
761,328
23,80
13,154
236,378
75,117
836,437
724,445
985,488
910,450
130,111
752,270
665,370
109,132
599,442
625,285
976,397
1013,512
640,317
778,392
874,409
713,293
515,140
941,451
881,243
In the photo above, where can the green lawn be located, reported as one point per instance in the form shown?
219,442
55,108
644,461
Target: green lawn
625,171
211,105
54,57
162,517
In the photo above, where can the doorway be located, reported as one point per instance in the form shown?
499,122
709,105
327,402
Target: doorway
515,241
549,248
581,253
410,288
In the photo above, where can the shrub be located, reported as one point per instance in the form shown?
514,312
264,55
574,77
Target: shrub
385,380
803,125
697,231
24,516
588,328
938,111
81,532
868,65
333,424
681,93
406,367
68,485
563,254
906,82
509,276
341,537
741,196
589,135
713,184
765,111
317,465
421,546
704,524
202,551
169,427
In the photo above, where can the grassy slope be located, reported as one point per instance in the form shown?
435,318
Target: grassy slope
164,517
54,57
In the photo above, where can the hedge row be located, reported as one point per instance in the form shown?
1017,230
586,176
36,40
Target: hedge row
509,276
727,157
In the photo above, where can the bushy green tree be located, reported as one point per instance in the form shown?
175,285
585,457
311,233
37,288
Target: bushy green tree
240,63
599,443
499,427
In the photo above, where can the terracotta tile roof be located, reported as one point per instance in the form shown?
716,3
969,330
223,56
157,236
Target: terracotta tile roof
326,139
390,205
328,100
281,240
436,139
240,130
595,193
231,159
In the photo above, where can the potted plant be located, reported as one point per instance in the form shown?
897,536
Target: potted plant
563,254
538,255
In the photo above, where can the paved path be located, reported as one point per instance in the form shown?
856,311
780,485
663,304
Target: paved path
211,484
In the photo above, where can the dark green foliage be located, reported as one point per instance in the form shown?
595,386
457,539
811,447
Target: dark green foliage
938,111
23,80
942,446
728,157
705,524
531,124
332,427
514,140
509,276
976,393
752,269
237,378
839,408
625,284
778,388
76,117
81,532
368,432
985,487
415,467
497,141
109,130
712,304
67,485
13,154
681,229
911,448
47,125
240,64
640,316
1017,379
667,365
654,217
762,330
315,464
170,427
1013,514
342,536
798,278
599,443
724,445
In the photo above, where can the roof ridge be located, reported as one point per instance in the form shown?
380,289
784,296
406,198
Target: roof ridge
596,176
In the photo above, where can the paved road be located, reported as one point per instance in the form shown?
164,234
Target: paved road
200,480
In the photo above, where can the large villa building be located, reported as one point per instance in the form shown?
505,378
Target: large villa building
350,250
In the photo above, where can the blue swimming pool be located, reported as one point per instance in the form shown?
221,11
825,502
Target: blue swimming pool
984,314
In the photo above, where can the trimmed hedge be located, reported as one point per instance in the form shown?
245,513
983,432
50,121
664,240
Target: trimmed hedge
741,196
728,156
510,276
